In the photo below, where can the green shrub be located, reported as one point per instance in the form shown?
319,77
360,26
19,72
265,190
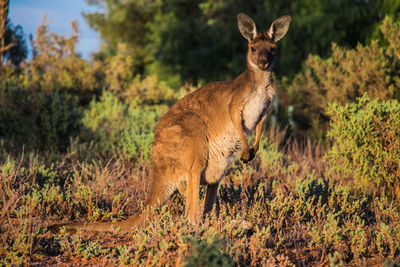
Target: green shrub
117,127
207,253
148,91
37,120
74,246
58,121
134,89
349,73
16,121
269,154
56,66
366,141
18,251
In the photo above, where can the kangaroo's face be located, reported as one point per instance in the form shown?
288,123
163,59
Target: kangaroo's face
262,46
262,52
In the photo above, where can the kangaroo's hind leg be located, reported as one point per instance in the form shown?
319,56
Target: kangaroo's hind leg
211,196
180,155
182,188
192,208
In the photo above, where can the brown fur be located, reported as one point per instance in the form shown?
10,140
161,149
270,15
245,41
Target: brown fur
199,137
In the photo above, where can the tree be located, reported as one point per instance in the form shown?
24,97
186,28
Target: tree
12,42
3,20
15,35
124,22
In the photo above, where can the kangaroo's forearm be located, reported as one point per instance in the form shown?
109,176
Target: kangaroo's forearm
236,116
239,127
258,133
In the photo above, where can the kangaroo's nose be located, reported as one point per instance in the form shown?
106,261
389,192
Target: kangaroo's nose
263,64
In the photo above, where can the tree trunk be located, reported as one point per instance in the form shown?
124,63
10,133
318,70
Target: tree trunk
3,19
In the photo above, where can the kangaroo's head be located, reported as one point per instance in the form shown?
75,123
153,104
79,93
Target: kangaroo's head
261,54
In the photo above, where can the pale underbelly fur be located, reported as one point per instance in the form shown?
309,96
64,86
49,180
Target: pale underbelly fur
224,149
222,153
256,107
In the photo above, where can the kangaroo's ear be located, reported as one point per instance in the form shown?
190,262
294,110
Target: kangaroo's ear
279,28
247,27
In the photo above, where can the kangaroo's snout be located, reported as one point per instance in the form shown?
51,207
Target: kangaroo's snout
263,61
263,64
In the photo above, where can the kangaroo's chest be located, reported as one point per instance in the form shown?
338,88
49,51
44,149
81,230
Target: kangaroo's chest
256,107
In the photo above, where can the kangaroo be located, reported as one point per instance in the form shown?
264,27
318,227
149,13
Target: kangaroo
200,136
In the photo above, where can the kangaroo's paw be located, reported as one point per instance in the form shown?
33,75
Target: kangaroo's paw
247,156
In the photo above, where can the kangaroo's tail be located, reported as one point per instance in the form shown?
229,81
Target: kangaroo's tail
121,226
159,193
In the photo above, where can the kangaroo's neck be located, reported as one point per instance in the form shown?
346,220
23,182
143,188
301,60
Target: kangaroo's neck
259,79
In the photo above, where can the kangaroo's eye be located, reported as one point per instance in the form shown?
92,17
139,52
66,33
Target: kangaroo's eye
272,51
253,49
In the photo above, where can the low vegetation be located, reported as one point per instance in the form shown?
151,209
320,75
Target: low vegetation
282,209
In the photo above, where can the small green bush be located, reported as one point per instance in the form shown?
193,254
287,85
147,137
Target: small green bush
57,120
207,253
134,89
366,141
37,120
16,121
117,127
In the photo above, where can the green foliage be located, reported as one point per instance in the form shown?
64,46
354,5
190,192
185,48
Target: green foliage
390,263
47,200
16,122
348,74
18,252
207,253
147,92
391,31
58,121
366,142
135,90
76,247
125,22
269,154
118,127
41,120
388,239
15,35
199,42
118,70
41,107
57,67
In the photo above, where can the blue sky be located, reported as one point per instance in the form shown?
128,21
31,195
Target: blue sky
29,14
